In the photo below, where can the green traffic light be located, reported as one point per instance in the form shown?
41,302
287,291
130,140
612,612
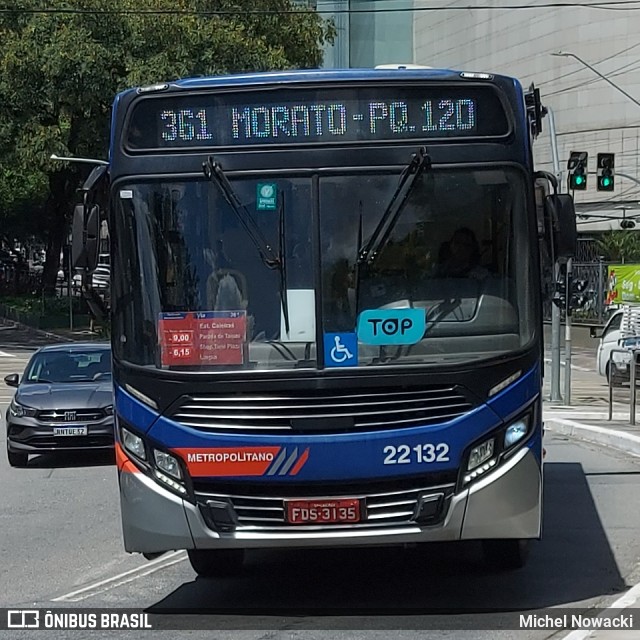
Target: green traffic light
606,182
579,180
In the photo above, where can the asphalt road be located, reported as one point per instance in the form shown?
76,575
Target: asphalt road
61,546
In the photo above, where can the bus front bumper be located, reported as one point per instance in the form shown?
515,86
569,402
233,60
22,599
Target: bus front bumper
505,503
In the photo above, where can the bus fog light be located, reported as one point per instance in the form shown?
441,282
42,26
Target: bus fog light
133,444
167,463
480,454
480,470
515,433
165,479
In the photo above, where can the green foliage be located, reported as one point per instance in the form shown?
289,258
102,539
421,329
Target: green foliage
60,71
620,246
42,305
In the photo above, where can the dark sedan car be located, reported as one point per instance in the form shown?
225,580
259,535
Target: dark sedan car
63,402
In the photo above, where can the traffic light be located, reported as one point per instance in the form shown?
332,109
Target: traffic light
606,166
577,166
560,291
575,291
579,295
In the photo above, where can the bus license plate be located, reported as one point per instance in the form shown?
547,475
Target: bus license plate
70,431
323,511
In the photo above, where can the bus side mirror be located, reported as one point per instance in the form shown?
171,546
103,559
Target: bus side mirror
85,237
561,212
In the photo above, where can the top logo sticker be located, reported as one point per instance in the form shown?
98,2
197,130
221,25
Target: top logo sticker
391,326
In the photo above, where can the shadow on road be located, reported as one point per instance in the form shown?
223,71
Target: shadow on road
574,562
71,459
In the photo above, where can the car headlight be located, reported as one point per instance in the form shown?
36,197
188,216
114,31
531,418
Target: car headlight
21,411
133,444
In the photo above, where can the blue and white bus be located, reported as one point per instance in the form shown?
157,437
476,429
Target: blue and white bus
326,311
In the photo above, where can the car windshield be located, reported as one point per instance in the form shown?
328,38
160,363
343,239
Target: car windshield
458,256
69,366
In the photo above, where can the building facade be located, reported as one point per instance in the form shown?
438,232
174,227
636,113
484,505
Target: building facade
590,114
369,32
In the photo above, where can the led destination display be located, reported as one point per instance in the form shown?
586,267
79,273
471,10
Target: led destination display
306,116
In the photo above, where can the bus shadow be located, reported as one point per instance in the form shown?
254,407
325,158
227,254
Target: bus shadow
572,563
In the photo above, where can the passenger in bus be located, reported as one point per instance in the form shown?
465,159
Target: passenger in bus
460,257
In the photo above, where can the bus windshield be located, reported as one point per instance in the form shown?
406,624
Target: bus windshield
197,295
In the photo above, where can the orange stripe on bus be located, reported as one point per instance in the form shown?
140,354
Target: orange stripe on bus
228,461
122,458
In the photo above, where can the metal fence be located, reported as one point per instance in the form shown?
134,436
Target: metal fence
588,265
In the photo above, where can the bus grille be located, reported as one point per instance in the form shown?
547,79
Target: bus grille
227,512
322,411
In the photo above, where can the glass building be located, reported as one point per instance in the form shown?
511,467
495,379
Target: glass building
369,32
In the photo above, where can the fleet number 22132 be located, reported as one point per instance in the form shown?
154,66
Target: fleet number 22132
419,454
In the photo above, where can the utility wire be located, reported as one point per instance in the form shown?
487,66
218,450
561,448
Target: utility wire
608,5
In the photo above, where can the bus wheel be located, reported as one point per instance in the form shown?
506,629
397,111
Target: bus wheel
506,554
216,563
17,458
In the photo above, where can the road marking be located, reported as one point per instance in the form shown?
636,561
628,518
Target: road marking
625,601
7,355
123,578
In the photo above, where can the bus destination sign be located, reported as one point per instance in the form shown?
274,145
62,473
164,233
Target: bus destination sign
339,115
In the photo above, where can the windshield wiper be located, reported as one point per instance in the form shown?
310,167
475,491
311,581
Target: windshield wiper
409,178
213,171
283,268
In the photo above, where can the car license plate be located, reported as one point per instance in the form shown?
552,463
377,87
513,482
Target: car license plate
323,511
70,431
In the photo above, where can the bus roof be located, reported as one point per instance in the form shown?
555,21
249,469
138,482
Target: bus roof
315,75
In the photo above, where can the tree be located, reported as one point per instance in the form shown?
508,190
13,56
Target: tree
61,67
620,246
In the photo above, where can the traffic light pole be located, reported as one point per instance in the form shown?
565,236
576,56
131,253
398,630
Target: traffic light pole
567,336
555,344
555,311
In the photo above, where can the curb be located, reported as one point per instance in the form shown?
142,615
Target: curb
625,442
33,330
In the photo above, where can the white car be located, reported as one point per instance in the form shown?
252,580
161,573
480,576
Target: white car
610,339
100,278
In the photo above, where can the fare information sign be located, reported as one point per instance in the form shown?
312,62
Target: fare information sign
202,338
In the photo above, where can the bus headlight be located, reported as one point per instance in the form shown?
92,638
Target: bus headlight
168,471
167,463
480,454
515,432
133,444
481,459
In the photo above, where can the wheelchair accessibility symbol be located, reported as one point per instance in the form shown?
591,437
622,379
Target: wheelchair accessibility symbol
340,350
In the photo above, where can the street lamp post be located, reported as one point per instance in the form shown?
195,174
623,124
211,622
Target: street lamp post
567,54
